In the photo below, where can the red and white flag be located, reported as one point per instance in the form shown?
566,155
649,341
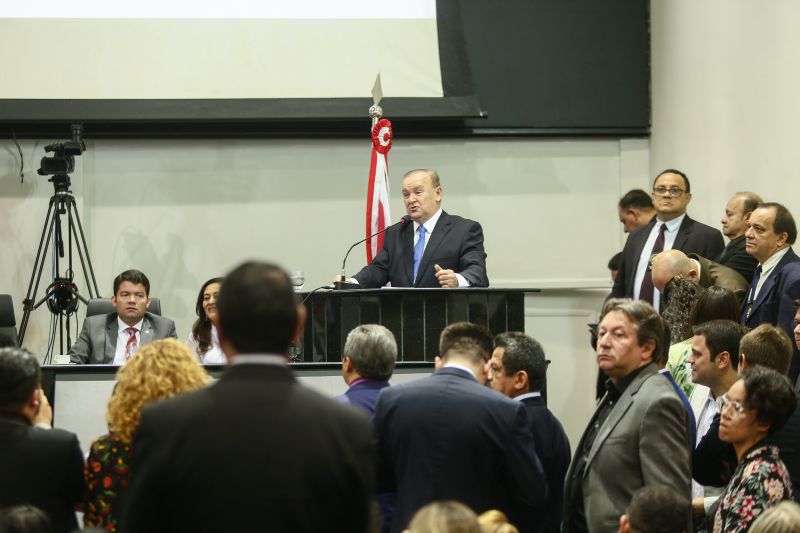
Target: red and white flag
378,216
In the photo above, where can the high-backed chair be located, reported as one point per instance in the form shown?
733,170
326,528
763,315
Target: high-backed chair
8,323
103,306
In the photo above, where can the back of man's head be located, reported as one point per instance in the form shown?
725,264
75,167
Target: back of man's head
636,198
257,309
657,509
372,350
523,352
722,336
20,376
467,342
768,346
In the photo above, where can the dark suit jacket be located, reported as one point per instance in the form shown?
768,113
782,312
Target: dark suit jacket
41,467
734,256
692,237
455,243
552,446
775,303
97,342
445,437
256,451
643,441
364,394
717,275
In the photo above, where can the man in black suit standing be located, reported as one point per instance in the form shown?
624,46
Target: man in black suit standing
518,369
39,466
115,337
671,228
734,225
448,437
436,250
256,450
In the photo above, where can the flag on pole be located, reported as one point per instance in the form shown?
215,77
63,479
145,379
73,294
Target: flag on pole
378,191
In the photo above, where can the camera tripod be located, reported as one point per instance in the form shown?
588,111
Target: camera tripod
62,294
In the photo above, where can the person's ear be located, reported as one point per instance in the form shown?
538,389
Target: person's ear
723,360
743,364
437,363
347,364
624,524
521,380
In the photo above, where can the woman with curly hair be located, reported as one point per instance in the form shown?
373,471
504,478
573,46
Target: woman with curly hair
680,296
203,339
161,369
756,406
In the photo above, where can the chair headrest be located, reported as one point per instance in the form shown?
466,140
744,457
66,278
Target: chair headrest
103,306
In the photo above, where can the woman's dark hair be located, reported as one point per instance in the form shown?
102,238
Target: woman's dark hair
716,303
770,395
201,330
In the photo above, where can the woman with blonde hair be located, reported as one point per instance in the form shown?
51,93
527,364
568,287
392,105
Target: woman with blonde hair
783,518
160,370
446,516
494,521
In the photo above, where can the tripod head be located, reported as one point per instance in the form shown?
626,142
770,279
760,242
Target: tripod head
62,162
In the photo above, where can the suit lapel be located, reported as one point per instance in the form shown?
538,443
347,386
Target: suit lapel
637,248
684,231
407,252
436,237
618,412
773,280
112,332
147,331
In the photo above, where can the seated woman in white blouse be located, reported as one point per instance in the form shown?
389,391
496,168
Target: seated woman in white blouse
203,339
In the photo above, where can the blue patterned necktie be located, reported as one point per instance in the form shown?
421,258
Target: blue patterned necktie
419,248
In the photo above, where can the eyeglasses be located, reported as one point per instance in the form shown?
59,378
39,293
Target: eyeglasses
736,405
673,191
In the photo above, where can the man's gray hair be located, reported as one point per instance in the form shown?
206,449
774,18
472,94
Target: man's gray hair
646,321
373,351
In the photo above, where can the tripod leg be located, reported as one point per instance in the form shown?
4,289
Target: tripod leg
36,273
81,241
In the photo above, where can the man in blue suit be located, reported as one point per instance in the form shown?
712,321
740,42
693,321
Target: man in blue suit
449,437
369,356
518,369
776,283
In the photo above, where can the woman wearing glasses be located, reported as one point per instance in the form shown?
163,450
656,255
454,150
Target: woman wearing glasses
756,406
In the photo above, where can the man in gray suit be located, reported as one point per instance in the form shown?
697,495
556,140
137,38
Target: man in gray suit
116,337
639,434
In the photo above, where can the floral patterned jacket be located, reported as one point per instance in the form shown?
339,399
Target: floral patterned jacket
107,473
759,482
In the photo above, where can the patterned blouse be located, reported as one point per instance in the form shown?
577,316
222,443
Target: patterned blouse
679,367
106,474
759,482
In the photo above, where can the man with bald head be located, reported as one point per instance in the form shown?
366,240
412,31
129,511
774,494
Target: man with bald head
671,229
734,225
705,273
435,250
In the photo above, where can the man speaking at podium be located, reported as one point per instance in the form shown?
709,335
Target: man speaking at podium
437,250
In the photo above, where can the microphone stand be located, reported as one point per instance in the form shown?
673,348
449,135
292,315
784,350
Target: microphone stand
340,281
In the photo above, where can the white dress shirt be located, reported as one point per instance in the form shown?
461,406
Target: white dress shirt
122,339
644,260
767,267
214,355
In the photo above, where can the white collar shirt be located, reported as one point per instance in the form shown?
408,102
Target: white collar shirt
122,339
768,267
644,259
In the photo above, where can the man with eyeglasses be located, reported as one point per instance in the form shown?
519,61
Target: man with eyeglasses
771,232
115,337
713,460
671,228
518,370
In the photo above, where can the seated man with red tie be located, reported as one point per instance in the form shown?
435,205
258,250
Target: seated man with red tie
115,337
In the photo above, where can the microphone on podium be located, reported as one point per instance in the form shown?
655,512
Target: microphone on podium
340,281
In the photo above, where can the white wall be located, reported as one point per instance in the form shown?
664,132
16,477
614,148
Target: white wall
185,211
725,85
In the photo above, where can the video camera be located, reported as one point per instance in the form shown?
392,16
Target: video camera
63,159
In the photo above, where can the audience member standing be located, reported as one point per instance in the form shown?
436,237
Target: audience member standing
161,370
39,466
370,353
518,369
776,282
256,449
671,229
757,405
639,434
448,436
734,225
635,210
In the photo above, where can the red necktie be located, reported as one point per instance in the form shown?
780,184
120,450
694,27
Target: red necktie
132,345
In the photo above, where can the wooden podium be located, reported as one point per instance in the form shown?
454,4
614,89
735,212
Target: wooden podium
415,316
